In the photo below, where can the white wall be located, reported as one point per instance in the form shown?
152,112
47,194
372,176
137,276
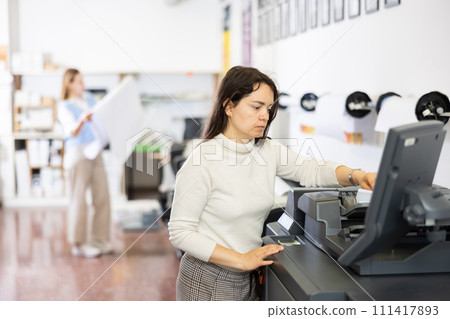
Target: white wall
123,36
3,22
236,7
403,49
50,85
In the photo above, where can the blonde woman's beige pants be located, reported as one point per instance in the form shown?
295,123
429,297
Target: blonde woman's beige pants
83,175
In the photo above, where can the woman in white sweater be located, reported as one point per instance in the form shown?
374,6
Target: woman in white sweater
225,190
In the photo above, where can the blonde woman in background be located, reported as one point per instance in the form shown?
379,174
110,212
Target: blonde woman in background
75,114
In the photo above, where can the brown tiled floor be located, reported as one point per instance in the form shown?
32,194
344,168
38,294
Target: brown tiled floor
36,264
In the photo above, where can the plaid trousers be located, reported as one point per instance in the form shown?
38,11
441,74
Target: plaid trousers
199,280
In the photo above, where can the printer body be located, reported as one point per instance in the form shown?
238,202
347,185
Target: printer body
319,225
395,247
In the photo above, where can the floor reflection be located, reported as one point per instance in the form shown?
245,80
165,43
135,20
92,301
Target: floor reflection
36,264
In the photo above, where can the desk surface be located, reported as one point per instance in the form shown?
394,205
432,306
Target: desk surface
305,270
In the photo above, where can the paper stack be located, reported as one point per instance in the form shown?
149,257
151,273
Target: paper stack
23,173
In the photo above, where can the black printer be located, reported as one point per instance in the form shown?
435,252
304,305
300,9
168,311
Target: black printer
397,247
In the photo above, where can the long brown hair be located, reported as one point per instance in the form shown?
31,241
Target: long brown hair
68,78
238,83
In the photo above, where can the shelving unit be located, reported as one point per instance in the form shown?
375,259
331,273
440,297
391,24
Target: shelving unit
34,133
46,84
45,181
19,111
44,158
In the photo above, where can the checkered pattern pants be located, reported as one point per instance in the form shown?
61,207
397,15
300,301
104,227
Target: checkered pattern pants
199,280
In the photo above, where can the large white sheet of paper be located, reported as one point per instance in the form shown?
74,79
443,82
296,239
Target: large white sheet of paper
396,111
308,118
281,187
363,196
333,120
330,111
364,125
116,119
22,173
94,148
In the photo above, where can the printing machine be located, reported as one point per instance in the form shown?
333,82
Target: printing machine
397,247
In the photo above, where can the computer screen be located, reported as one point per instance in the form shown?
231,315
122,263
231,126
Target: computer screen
193,128
410,156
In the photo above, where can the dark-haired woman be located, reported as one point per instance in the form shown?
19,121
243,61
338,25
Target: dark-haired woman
225,190
75,114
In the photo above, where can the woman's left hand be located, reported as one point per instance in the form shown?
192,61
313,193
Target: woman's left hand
367,180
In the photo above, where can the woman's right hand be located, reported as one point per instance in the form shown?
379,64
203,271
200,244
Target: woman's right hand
255,258
86,116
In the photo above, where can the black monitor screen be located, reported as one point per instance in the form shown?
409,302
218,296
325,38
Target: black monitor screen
193,128
410,156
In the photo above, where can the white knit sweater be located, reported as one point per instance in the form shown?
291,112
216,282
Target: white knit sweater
225,190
